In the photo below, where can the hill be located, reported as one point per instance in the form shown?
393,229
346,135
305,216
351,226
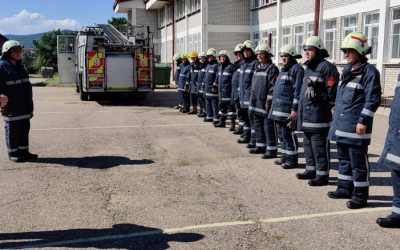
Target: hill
26,40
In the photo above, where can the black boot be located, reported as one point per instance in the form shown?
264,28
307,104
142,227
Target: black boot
207,120
278,162
251,145
238,132
257,150
319,181
221,124
338,195
269,155
356,204
233,125
29,156
307,175
389,222
201,115
288,166
243,140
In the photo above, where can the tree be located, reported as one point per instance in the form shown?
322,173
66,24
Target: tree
28,63
46,49
117,22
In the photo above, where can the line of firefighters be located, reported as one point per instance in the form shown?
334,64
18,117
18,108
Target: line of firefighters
272,103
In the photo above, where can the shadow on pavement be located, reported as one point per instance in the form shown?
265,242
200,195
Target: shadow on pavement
158,98
96,162
120,236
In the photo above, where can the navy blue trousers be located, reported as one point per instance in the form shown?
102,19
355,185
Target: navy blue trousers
17,137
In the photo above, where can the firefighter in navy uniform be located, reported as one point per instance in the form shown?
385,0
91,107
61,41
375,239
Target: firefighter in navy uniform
246,74
178,61
358,98
16,102
194,82
314,117
201,88
184,78
211,88
235,90
224,81
263,81
391,158
285,104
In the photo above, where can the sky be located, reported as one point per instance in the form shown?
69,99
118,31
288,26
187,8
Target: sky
25,17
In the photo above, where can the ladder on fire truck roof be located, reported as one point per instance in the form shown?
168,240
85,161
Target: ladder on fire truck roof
113,34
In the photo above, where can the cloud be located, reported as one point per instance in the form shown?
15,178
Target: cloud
25,23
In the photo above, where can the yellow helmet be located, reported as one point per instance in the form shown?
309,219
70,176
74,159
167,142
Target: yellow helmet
186,56
193,54
356,41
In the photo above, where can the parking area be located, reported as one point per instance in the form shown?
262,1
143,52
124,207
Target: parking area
121,175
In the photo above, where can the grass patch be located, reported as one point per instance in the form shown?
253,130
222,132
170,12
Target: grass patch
54,82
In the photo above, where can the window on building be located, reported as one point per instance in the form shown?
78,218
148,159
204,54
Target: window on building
330,37
349,24
161,17
181,8
169,52
371,31
286,35
273,40
169,14
183,43
264,37
310,29
258,3
194,5
395,35
190,43
198,42
256,38
298,37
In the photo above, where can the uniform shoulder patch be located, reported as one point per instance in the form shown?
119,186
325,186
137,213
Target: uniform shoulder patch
331,81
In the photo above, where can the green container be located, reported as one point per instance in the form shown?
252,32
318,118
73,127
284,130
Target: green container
162,74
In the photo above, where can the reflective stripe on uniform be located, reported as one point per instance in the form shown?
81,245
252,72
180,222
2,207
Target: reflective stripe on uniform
23,147
273,148
226,74
261,145
278,113
361,184
209,117
395,210
17,118
12,150
311,168
355,85
393,158
211,71
246,128
14,82
352,135
295,101
368,112
345,177
258,110
246,103
241,123
269,97
260,73
322,173
249,71
212,95
286,77
232,113
226,99
216,119
253,131
182,75
195,70
316,79
316,125
220,113
288,152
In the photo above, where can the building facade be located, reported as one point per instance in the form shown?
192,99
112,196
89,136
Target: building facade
186,25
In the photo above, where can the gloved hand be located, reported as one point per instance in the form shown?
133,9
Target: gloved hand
214,89
310,91
186,87
291,122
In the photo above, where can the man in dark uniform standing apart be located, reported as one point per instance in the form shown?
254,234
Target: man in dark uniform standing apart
358,98
16,102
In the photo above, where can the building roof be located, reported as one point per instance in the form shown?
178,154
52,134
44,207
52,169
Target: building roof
3,38
120,1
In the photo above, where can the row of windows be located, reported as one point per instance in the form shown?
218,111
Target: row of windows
259,3
349,24
165,14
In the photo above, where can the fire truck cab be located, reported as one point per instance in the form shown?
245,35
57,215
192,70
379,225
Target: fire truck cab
107,61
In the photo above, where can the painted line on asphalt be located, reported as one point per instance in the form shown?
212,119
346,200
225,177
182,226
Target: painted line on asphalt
114,127
205,226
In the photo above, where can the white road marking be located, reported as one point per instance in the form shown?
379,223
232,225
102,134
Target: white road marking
205,226
116,127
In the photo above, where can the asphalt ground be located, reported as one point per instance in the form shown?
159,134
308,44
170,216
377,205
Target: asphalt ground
121,175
